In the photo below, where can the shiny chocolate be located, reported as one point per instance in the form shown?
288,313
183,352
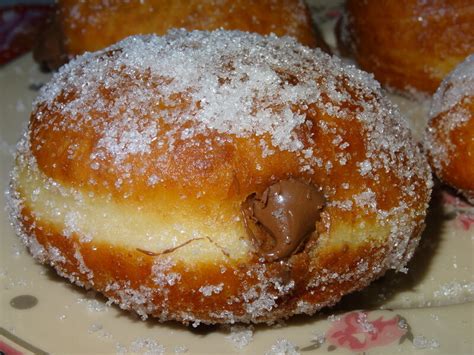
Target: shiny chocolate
280,219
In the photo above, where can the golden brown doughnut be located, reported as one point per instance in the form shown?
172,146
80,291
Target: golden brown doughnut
407,44
218,177
93,25
450,132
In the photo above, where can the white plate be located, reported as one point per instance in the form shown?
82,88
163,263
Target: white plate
430,309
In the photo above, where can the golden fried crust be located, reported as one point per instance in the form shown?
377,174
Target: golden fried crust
458,169
232,171
133,271
450,131
128,184
81,22
410,43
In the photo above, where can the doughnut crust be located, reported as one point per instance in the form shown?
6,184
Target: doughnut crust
450,133
77,24
407,44
134,170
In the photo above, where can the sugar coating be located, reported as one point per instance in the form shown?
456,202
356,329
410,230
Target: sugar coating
95,327
180,349
457,85
241,85
227,99
283,347
240,336
144,346
318,339
93,304
208,290
421,342
456,290
83,15
456,88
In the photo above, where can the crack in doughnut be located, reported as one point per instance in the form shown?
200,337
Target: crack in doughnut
169,250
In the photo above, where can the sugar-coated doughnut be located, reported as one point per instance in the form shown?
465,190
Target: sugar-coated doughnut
407,44
450,133
91,25
218,177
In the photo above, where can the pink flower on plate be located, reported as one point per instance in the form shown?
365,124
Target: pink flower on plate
7,349
461,212
449,199
356,332
466,221
452,200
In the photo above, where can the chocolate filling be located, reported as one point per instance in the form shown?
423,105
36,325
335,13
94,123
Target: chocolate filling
281,218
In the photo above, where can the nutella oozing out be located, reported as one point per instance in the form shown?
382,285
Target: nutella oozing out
281,218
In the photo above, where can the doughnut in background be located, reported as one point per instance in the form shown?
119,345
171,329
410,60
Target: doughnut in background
80,26
450,133
407,44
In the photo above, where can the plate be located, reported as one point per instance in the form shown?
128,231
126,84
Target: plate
428,310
